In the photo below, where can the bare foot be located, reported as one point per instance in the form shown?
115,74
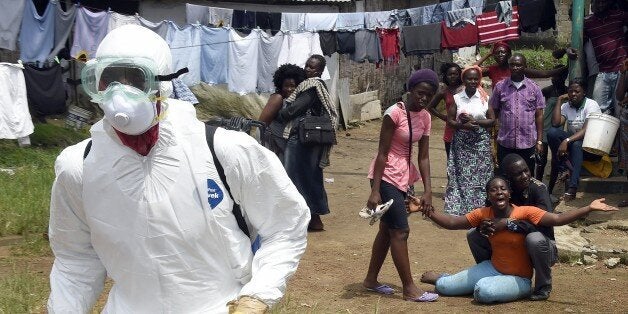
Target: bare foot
412,292
430,277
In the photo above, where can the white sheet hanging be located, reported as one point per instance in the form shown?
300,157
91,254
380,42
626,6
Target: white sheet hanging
298,47
292,22
320,21
15,119
243,62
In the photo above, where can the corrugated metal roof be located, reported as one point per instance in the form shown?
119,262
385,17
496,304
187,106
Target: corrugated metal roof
322,0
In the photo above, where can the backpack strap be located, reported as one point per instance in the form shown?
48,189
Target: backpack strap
210,130
87,149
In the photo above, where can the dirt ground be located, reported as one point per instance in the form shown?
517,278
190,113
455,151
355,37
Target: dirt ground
329,278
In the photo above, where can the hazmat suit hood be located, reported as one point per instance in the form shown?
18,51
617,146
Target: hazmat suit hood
136,41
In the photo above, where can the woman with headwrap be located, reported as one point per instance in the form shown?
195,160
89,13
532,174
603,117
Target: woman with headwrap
469,165
393,175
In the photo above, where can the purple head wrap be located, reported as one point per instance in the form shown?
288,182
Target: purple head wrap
422,75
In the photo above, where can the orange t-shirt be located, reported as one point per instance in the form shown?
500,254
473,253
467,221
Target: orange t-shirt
510,256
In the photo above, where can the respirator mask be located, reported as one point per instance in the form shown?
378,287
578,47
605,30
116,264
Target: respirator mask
126,89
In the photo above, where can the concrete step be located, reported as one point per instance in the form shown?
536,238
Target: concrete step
611,185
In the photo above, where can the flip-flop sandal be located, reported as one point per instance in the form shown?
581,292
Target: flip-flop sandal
380,210
382,289
425,297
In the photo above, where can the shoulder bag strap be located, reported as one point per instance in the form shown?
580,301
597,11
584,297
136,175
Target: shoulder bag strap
409,143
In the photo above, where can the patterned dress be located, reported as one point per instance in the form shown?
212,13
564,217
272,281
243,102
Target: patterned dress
469,167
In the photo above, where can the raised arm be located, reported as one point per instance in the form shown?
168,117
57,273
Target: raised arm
482,59
557,118
551,219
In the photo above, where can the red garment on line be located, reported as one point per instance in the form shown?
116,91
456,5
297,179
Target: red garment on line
490,30
389,41
458,37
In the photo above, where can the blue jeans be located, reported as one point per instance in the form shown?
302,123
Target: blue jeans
486,283
604,91
555,136
301,163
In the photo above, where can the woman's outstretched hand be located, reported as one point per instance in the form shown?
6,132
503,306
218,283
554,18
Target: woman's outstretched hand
414,205
600,205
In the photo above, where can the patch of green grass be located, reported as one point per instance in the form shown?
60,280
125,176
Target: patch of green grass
23,291
25,196
538,57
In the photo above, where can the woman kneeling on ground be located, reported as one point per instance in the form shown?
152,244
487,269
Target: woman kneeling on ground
506,277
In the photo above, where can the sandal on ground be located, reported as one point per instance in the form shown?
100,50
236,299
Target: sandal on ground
425,297
382,289
623,203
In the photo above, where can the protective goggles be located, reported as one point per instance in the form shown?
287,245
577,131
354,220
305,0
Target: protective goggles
140,73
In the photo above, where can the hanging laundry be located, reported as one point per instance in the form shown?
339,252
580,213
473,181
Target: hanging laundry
37,33
421,39
89,30
160,28
197,14
504,12
185,46
214,55
243,61
64,20
275,22
460,16
367,47
44,89
292,22
350,21
535,15
389,41
464,35
381,19
490,30
15,119
476,5
243,21
329,42
220,16
416,16
182,92
401,18
269,47
320,21
346,42
116,20
436,13
296,48
12,15
262,20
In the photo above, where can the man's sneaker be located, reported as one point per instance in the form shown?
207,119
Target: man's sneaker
380,210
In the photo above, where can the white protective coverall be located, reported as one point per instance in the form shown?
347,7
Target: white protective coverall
148,222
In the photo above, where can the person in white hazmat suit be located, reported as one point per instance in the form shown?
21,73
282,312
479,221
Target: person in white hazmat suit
147,208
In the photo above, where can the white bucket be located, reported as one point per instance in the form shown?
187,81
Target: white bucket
600,133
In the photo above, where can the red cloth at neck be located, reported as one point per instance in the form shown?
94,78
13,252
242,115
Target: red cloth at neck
144,142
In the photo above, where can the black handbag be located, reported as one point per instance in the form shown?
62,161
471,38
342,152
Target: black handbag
316,130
